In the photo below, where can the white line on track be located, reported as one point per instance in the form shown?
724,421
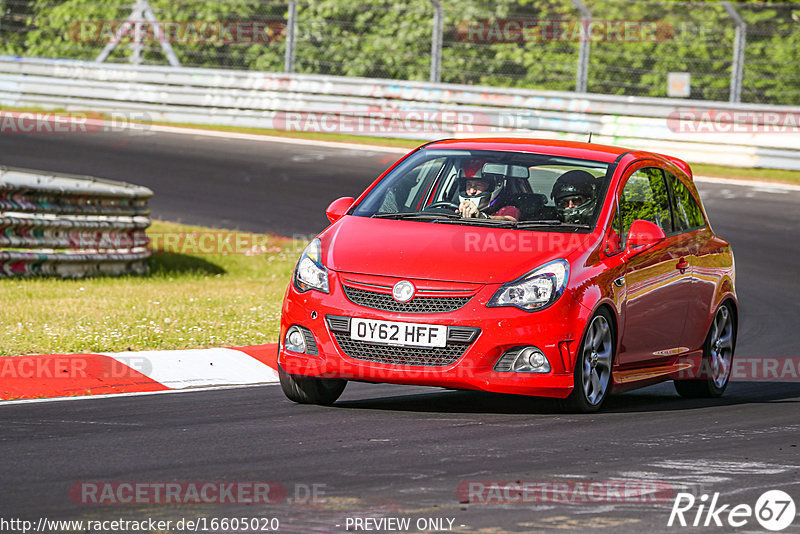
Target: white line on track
276,139
131,394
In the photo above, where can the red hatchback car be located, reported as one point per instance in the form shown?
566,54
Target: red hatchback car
523,266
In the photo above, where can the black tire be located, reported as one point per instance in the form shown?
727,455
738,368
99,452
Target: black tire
595,357
717,359
310,390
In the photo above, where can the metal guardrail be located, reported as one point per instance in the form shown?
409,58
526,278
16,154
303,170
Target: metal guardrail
426,110
71,226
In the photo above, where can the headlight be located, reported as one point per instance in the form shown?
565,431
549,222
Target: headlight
309,272
536,290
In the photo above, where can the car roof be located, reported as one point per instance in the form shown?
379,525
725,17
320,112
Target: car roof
572,149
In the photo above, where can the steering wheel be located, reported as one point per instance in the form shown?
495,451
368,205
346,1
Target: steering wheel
442,204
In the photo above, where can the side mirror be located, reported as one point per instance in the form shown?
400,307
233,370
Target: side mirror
338,208
643,235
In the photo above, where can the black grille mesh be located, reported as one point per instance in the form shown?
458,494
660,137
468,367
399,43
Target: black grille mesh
381,301
430,357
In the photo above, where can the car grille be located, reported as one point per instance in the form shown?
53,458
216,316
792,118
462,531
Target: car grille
429,357
459,340
382,301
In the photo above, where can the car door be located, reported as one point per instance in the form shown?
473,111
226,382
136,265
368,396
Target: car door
689,223
658,280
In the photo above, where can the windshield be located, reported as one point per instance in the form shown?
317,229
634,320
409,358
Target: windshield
480,187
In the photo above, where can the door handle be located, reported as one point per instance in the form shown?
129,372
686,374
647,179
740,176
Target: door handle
619,282
682,265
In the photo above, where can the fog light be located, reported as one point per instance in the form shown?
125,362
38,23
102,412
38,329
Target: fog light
531,360
523,360
295,341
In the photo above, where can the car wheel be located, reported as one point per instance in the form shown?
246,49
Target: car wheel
310,390
715,368
593,365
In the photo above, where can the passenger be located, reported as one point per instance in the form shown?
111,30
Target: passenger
575,197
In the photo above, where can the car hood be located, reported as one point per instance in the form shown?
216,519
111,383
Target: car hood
441,251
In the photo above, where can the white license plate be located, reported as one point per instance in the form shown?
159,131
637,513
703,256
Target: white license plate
397,333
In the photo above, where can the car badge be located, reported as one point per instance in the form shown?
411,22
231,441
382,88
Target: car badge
403,291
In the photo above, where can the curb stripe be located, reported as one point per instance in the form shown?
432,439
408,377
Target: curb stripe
179,369
66,375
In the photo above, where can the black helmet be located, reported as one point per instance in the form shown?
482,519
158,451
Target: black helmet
575,196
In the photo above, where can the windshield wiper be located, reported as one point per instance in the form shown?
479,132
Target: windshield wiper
549,222
417,215
447,218
474,221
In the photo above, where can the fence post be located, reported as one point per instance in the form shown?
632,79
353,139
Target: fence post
582,78
739,40
141,13
291,32
436,41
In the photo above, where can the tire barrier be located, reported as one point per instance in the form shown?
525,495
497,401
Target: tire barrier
71,226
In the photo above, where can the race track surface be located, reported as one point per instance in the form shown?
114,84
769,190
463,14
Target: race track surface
395,451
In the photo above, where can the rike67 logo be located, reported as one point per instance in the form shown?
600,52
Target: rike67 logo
774,510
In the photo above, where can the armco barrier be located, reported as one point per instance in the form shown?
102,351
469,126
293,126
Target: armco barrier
71,226
699,131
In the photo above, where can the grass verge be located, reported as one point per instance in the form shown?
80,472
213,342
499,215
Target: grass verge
191,299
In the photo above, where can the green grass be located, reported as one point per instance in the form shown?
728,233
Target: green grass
319,136
190,300
771,175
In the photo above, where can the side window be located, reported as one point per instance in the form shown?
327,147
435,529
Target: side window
686,213
645,197
405,194
615,240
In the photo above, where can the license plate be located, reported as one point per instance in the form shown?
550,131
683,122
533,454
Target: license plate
397,333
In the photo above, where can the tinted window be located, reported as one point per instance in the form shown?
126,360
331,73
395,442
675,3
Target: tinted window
686,212
645,197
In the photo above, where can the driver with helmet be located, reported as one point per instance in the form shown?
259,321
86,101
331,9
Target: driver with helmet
575,196
481,194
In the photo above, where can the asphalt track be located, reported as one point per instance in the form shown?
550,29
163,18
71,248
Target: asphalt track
394,451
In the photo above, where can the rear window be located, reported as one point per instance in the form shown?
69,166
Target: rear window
686,213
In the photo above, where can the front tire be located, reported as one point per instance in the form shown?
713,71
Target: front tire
593,364
310,390
717,363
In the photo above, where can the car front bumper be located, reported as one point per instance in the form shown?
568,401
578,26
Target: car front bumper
555,330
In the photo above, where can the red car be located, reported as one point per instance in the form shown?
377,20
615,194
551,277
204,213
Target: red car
523,266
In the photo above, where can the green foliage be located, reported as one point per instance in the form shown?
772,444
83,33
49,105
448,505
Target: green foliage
386,39
74,29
